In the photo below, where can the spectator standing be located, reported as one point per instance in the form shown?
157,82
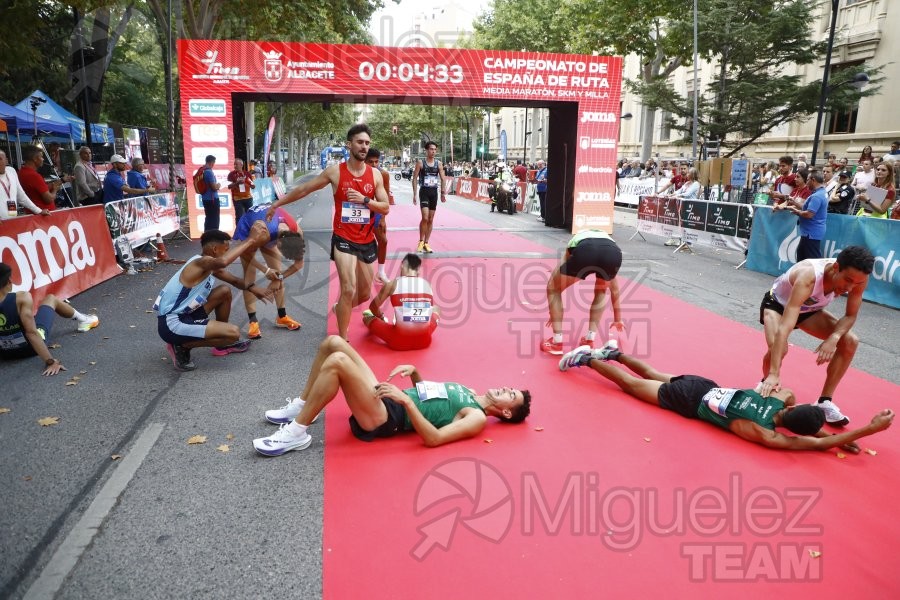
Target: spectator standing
37,190
520,171
541,188
785,183
840,199
801,191
137,179
210,196
690,190
895,149
114,184
884,179
254,169
88,187
864,177
812,213
866,155
770,174
831,182
11,193
240,182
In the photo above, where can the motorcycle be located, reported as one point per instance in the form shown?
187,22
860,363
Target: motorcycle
404,174
504,197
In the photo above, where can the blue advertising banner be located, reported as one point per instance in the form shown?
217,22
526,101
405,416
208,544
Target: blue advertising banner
503,145
774,240
264,192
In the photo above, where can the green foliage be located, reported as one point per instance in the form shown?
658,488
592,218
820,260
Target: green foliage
134,91
749,45
35,50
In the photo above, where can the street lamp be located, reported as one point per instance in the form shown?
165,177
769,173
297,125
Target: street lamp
859,81
625,117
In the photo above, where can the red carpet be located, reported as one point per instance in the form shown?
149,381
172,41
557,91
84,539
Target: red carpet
597,493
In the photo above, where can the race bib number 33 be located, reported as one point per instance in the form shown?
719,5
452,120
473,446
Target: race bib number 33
355,213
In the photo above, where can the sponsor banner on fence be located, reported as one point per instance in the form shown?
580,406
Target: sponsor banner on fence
62,254
773,248
717,224
140,219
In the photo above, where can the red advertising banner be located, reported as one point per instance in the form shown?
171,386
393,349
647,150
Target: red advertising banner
211,71
62,254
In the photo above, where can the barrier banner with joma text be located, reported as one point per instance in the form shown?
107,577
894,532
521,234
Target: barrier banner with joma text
64,253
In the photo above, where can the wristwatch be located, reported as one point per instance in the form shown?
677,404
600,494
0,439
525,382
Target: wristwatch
366,201
49,361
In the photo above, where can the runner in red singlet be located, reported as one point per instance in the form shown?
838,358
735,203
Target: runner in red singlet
358,196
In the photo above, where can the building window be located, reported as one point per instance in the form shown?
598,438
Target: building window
843,121
665,129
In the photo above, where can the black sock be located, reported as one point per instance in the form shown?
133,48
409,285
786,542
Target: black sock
824,398
282,312
614,355
252,317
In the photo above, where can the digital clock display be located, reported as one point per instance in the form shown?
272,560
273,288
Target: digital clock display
384,71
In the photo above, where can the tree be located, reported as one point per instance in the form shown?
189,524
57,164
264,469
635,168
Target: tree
584,26
751,94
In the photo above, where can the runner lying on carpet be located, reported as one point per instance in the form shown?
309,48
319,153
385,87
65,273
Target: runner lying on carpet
412,303
742,412
439,412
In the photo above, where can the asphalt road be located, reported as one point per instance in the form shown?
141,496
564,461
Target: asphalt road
180,520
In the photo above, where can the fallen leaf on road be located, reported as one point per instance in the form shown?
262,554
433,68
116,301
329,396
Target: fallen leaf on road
223,448
83,372
72,382
150,311
841,455
54,346
646,439
27,477
868,450
76,378
105,337
132,326
116,456
488,441
48,421
93,362
229,436
538,428
815,553
197,439
3,411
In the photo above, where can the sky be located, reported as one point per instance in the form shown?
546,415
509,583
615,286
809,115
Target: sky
389,23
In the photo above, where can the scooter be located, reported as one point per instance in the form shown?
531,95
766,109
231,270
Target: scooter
403,174
505,197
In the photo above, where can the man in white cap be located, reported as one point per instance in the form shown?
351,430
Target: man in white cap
114,185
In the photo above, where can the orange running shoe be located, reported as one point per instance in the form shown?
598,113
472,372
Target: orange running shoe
253,331
287,323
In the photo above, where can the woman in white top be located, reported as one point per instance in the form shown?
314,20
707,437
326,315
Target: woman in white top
770,174
691,189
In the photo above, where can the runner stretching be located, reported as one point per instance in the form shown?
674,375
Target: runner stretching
358,195
428,176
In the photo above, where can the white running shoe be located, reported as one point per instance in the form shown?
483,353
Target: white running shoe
833,415
89,323
281,441
288,412
578,357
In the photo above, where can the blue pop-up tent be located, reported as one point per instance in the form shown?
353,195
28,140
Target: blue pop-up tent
52,111
21,123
